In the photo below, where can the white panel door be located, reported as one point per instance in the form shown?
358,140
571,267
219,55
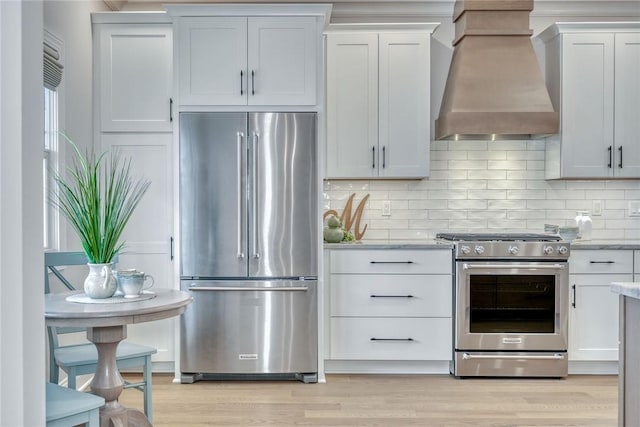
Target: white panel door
587,110
135,66
148,233
627,105
404,73
282,60
212,61
593,321
352,105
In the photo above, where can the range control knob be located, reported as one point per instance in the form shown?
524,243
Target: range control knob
465,249
562,250
514,250
548,250
479,249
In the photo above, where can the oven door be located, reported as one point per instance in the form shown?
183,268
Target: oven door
512,306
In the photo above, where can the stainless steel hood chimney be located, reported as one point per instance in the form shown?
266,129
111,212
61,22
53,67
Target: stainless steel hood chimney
495,88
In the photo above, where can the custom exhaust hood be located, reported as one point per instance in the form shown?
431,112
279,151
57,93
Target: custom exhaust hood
495,88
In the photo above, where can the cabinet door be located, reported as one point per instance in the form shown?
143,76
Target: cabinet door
352,105
593,317
148,233
212,61
282,61
404,73
134,62
627,105
587,105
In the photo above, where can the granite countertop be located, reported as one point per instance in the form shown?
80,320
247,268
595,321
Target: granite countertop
628,289
391,244
433,244
605,244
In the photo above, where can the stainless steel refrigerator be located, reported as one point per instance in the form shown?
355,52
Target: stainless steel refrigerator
248,245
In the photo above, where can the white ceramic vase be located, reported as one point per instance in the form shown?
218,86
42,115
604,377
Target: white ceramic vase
100,283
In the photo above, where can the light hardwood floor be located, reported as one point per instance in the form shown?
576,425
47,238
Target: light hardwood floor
385,400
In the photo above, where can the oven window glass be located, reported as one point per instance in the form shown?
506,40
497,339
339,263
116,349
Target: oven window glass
512,303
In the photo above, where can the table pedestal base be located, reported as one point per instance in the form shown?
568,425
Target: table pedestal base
107,381
113,414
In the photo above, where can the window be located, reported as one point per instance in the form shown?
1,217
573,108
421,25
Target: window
50,163
52,73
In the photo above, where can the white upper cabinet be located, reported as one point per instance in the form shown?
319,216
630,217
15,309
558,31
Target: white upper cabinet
593,75
627,104
378,99
247,60
134,77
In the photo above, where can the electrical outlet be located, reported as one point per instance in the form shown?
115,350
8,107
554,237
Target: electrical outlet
634,208
386,208
596,208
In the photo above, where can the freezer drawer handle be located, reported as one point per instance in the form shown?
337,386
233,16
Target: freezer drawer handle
390,262
556,356
602,262
391,339
391,296
246,289
239,192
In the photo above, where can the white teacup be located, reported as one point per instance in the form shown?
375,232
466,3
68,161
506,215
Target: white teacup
132,282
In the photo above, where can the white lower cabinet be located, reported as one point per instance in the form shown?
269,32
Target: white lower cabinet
390,305
593,311
401,338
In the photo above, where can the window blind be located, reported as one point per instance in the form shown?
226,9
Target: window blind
52,68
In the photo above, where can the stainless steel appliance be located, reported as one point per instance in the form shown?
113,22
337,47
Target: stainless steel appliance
248,245
511,304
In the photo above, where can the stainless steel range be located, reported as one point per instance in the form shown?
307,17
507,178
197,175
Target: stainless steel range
511,304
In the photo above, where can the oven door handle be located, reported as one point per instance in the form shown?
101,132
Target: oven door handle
555,356
512,266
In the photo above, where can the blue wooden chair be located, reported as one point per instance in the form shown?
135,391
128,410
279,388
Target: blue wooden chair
82,359
67,408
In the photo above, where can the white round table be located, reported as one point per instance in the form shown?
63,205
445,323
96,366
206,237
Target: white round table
106,327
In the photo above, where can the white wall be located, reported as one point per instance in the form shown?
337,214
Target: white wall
21,296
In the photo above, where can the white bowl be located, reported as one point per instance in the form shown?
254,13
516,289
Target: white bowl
568,233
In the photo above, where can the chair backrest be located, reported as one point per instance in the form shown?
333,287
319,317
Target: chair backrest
52,262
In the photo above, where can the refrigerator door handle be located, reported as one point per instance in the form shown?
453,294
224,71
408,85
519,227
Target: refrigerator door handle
240,137
254,197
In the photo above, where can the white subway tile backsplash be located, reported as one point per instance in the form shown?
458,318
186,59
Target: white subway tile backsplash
507,164
486,174
482,186
467,164
507,204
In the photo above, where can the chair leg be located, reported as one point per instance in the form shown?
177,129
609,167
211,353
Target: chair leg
148,410
71,378
54,371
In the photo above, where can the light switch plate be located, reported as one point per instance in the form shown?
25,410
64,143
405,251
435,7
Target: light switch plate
596,208
634,208
386,208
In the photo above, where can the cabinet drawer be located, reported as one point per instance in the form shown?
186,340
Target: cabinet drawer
391,295
366,338
391,261
597,261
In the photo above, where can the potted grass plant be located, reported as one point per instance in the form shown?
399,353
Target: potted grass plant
97,197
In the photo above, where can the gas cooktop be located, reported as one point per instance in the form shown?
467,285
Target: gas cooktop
498,237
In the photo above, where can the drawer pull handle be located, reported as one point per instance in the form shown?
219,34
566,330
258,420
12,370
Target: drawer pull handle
391,339
392,296
602,262
390,262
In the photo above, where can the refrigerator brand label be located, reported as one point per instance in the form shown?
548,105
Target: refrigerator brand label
248,356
